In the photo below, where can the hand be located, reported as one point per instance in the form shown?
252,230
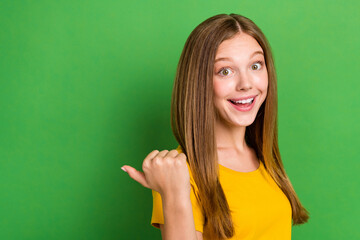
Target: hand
165,172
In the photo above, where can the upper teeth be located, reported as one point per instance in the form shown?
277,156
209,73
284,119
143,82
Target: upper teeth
245,101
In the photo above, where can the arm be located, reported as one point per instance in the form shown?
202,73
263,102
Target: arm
199,235
178,220
167,173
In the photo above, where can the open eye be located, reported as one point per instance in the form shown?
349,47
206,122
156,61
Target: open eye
257,65
225,72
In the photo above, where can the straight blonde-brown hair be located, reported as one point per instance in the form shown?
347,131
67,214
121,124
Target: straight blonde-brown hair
193,119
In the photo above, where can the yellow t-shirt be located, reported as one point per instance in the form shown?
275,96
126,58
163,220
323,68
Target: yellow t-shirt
259,209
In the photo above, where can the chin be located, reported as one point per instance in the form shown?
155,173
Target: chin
245,123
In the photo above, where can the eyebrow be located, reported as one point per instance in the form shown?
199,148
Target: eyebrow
225,58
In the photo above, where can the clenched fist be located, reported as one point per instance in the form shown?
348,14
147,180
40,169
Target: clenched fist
165,172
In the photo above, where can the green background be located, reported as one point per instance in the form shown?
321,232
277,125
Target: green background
85,87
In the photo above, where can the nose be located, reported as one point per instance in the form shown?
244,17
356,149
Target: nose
243,82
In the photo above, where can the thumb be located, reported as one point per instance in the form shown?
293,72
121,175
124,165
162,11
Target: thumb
136,175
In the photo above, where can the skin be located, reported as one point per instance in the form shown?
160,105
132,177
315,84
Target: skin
237,74
166,172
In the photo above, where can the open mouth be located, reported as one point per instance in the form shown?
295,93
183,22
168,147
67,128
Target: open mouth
243,103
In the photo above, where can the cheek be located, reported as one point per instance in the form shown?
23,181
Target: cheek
220,89
262,82
217,89
264,85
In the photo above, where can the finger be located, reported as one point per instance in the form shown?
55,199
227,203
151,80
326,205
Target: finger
162,153
172,153
181,156
151,155
136,175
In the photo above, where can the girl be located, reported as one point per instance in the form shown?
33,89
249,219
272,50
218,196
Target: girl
226,179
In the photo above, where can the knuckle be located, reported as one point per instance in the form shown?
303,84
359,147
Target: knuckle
157,161
168,160
179,162
145,165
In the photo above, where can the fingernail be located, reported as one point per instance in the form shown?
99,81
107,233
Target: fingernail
123,169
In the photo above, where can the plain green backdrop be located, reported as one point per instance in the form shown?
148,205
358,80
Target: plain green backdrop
85,87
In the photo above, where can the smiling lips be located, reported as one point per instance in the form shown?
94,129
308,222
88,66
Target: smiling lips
243,104
243,98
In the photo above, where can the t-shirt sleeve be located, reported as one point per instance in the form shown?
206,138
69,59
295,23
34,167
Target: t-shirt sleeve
157,211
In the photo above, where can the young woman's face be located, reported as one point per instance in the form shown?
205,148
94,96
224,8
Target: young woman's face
239,74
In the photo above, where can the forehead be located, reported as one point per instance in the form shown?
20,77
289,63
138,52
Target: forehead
240,46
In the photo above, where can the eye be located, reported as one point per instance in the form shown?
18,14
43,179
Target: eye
225,72
257,65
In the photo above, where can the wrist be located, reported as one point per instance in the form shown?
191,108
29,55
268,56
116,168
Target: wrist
176,200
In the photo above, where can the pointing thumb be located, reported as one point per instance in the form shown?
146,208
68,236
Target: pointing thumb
136,175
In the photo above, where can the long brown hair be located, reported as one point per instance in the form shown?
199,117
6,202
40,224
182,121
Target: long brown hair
193,119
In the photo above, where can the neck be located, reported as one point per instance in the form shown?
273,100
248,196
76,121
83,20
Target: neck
230,137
